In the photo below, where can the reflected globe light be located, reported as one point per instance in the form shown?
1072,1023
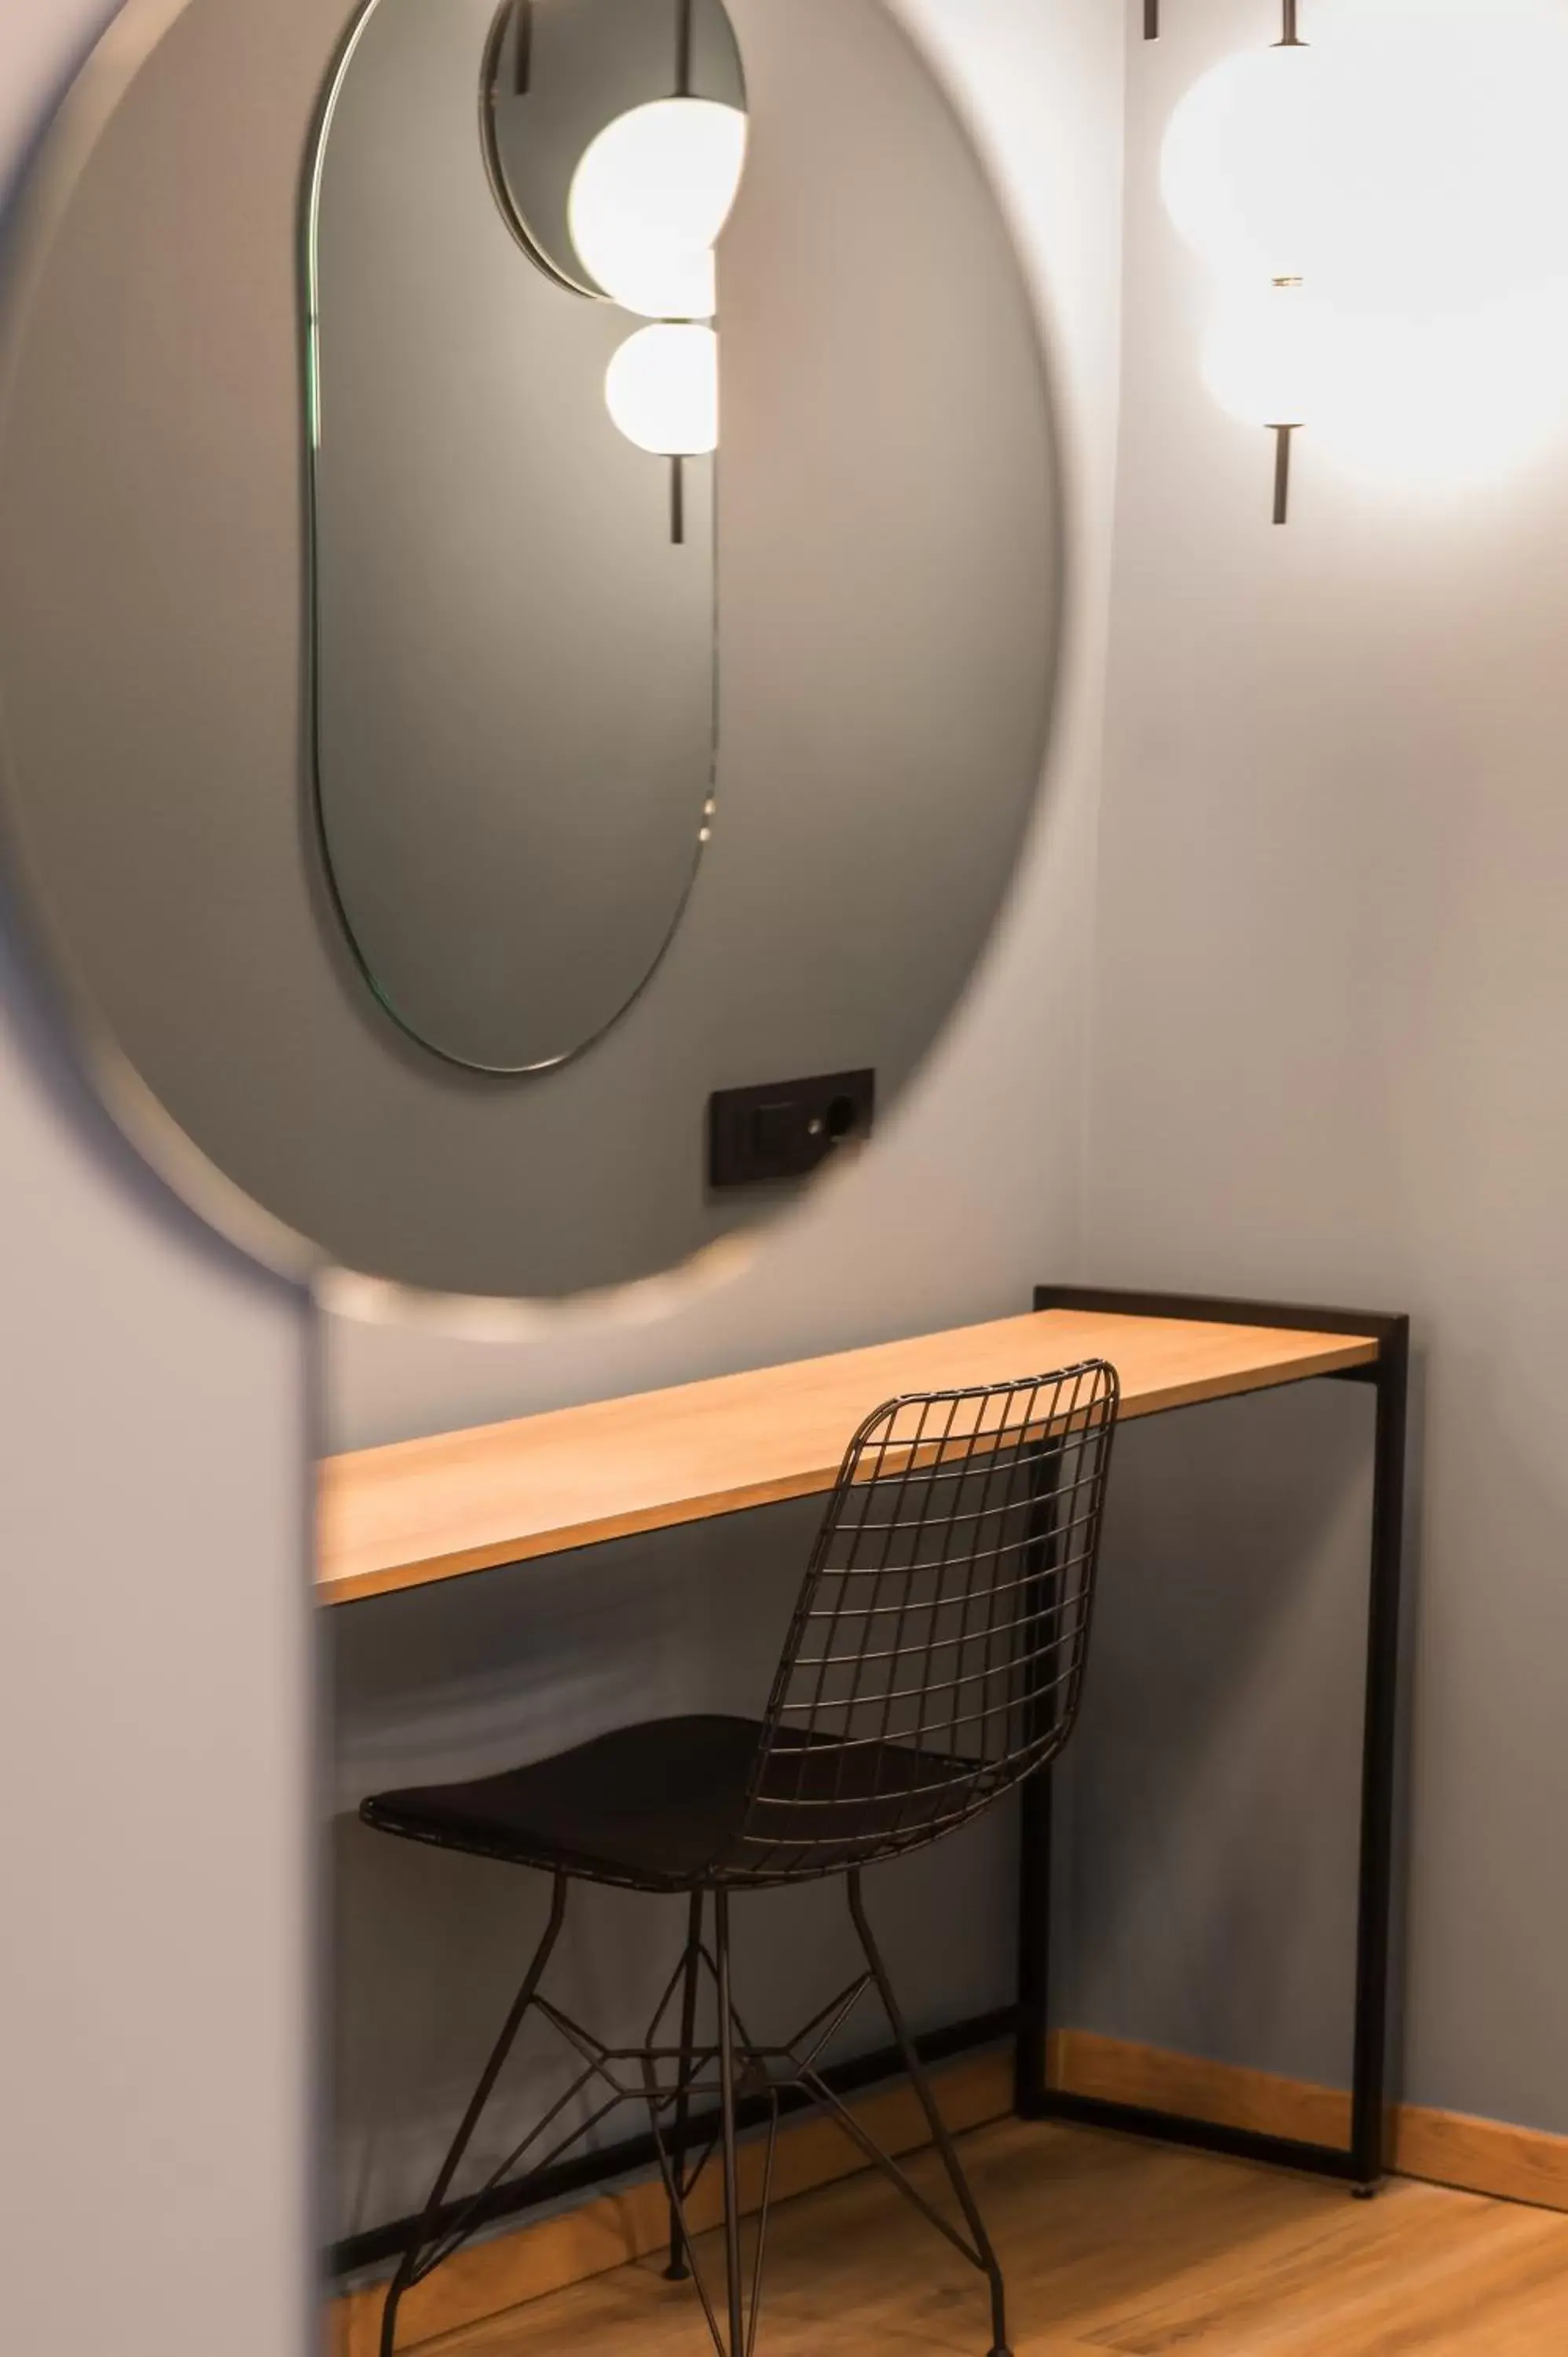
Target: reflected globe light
659,280
650,199
1409,166
662,390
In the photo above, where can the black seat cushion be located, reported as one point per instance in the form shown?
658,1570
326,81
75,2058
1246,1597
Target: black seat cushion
662,1806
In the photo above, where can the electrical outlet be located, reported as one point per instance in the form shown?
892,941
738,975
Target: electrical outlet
760,1136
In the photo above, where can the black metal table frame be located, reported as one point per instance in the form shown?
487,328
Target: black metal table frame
1361,2163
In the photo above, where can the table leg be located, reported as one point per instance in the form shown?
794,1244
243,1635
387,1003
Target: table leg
1378,1766
1031,2071
1363,2162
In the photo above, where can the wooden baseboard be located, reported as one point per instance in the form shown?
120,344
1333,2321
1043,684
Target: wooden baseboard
1482,2155
1478,2156
616,2228
1446,2147
1113,2071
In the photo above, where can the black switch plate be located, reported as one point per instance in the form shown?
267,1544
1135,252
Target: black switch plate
758,1137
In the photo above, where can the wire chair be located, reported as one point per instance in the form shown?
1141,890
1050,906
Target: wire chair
934,1661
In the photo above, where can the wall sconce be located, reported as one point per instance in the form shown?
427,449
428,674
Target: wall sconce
1238,175
1259,362
1381,212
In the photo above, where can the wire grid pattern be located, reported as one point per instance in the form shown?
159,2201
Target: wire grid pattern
937,1653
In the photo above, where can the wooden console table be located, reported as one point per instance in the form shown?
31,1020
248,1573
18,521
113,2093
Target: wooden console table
464,1503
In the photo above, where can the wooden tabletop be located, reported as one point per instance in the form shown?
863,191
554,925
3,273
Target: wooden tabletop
430,1510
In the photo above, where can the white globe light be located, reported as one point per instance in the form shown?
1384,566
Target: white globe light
1410,166
650,199
1266,358
1425,406
662,390
1411,155
1242,166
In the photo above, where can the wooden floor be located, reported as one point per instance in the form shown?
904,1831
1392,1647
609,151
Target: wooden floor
1109,2244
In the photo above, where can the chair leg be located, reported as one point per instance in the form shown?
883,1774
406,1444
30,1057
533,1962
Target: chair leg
921,2083
408,2266
678,2270
737,2335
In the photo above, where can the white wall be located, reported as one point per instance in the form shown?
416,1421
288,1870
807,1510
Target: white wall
155,1740
973,1192
1327,1054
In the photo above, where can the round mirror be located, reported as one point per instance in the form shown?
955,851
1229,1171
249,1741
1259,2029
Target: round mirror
368,838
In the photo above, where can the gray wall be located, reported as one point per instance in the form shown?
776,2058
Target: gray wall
968,1198
155,1739
1208,1810
1327,1062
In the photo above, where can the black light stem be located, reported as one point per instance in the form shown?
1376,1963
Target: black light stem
523,56
683,26
1283,435
1289,37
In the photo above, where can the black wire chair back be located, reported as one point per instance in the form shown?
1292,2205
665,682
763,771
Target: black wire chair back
936,1656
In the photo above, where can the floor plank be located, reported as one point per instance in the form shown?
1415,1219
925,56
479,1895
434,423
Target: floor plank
1113,2248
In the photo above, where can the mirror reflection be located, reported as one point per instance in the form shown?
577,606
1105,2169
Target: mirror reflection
516,391
573,86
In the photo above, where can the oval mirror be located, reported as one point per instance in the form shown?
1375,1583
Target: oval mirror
513,504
